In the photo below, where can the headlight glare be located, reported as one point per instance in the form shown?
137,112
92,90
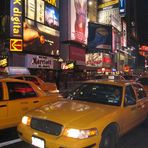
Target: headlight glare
26,120
80,134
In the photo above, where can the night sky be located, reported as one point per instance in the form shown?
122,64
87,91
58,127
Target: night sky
142,11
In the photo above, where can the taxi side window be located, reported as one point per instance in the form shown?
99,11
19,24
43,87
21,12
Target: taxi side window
140,91
18,90
130,97
32,79
1,92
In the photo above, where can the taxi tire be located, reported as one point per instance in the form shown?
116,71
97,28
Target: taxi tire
109,138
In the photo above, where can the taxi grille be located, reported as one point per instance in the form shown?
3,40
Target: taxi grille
46,126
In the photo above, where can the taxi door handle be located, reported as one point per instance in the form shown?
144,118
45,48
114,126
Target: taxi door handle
133,108
35,101
3,105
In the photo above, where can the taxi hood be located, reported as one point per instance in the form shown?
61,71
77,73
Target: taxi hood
73,113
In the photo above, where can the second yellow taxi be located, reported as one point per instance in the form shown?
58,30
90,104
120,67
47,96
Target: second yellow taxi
94,115
18,97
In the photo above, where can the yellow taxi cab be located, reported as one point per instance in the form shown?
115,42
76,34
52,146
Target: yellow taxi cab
94,115
46,86
18,97
24,74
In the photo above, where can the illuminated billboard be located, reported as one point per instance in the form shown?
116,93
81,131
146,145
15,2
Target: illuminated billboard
99,37
15,19
41,27
78,19
122,7
77,54
51,16
94,59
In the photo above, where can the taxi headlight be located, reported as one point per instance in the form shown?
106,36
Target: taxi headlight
26,120
80,134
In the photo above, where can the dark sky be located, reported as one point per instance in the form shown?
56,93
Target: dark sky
142,10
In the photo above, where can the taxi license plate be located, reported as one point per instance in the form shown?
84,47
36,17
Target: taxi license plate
38,142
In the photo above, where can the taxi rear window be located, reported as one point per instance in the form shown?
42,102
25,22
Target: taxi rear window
18,90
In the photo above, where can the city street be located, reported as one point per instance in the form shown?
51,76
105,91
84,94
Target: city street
137,138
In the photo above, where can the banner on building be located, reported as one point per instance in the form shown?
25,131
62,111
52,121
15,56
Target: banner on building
99,37
39,61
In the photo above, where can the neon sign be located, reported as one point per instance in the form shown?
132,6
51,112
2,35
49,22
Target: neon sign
16,19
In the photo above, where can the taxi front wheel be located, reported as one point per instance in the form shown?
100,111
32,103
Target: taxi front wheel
109,139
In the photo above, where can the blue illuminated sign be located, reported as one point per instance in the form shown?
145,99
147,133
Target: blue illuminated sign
122,7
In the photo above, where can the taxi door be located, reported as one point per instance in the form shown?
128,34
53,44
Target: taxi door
22,98
130,112
3,107
142,101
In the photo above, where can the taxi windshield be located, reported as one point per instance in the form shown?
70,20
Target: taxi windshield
98,93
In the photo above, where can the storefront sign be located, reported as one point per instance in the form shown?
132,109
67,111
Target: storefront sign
16,45
38,61
3,62
68,65
16,18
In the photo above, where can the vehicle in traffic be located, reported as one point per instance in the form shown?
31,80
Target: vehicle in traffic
95,115
18,97
110,77
23,73
45,86
130,77
144,81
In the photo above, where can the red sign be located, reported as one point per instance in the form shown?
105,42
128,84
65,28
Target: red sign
144,48
77,54
16,45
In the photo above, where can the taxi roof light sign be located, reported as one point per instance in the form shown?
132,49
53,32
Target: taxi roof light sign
12,70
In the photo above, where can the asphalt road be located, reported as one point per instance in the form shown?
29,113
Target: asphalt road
136,138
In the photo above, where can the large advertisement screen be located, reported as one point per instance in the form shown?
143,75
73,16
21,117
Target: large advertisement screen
41,28
78,19
99,37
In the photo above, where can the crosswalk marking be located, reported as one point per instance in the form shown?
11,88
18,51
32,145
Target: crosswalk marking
10,142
